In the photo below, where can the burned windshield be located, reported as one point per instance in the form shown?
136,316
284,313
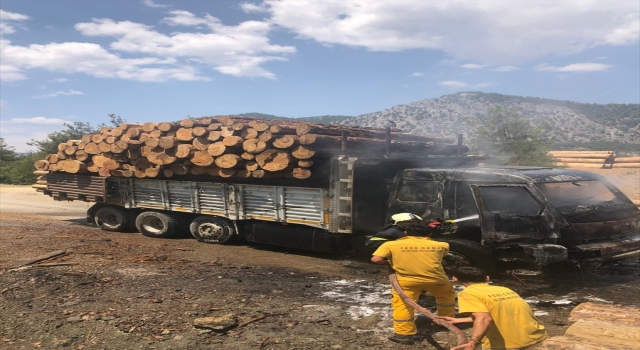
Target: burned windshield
566,196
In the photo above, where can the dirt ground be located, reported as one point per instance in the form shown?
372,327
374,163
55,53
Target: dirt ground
126,291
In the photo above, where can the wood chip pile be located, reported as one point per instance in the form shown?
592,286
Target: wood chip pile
227,147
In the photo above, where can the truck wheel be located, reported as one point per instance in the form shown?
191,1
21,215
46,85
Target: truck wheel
463,252
211,229
114,218
157,224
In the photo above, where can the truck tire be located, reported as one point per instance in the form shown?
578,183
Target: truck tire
211,229
158,224
463,252
114,218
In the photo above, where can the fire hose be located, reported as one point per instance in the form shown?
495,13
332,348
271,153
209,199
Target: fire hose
462,338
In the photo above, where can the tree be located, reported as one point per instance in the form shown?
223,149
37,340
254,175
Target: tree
513,140
7,153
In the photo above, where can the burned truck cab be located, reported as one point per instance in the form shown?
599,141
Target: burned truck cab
527,214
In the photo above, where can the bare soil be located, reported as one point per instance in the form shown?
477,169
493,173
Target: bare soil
127,291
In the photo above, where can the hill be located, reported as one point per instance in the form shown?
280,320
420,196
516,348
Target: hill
323,119
573,124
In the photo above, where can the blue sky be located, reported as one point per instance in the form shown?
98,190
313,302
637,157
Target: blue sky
164,60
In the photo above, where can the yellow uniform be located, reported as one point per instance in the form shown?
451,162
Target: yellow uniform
418,265
513,326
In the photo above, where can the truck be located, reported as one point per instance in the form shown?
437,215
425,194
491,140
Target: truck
534,215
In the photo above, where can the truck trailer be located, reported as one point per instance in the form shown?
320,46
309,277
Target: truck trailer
531,214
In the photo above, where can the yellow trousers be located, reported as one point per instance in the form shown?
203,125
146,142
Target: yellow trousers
403,314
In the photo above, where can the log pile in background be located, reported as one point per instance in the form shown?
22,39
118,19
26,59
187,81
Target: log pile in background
593,159
227,147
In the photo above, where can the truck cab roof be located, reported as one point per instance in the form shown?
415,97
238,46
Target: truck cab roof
509,174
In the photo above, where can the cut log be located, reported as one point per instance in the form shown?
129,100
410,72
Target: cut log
284,141
165,126
62,146
226,131
275,129
301,173
212,171
214,126
202,158
99,160
265,136
104,147
96,138
105,129
179,169
216,149
198,170
259,125
167,142
134,133
161,158
204,121
81,145
251,166
145,151
184,134
143,163
226,172
148,127
41,165
273,160
92,167
155,133
238,126
303,128
187,123
117,132
613,334
627,165
228,161
81,155
201,143
254,146
42,173
167,172
183,150
579,160
144,136
39,187
214,136
225,120
627,160
121,173
110,139
52,158
86,138
305,163
104,172
303,152
249,133
199,131
111,164
245,174
307,139
247,156
69,150
119,146
141,174
152,172
61,155
232,141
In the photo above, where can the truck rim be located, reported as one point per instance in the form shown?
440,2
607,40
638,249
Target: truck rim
153,225
210,230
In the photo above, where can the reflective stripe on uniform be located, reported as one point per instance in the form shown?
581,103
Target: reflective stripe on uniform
377,239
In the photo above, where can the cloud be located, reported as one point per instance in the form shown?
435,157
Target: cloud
473,66
61,93
37,120
484,31
60,80
253,8
416,74
150,3
5,16
576,67
481,85
452,83
151,56
507,68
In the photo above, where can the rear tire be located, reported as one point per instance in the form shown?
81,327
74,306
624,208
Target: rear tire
158,224
211,229
114,218
463,252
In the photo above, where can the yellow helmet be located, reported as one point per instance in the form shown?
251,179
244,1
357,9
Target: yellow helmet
397,218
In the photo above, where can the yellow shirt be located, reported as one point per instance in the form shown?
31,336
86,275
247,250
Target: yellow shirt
416,258
513,326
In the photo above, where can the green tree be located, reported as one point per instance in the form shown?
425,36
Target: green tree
7,156
512,140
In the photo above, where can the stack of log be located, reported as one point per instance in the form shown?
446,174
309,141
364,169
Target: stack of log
583,159
227,147
593,159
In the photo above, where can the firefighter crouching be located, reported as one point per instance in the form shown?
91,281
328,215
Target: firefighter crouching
393,231
417,261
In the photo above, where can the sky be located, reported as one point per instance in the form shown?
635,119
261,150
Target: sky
63,61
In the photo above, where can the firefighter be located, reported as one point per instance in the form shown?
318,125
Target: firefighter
417,262
501,318
393,231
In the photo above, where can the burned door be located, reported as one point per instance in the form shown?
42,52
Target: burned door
422,198
512,212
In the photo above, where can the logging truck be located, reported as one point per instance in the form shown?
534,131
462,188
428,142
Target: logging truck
532,215
326,187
